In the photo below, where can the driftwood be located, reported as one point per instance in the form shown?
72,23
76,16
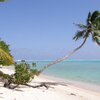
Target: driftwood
40,84
10,86
47,85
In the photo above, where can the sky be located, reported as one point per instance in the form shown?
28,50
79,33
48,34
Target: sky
43,29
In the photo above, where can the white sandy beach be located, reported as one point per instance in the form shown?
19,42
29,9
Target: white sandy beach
57,91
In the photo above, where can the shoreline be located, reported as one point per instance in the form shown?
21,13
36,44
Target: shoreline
76,83
59,89
79,84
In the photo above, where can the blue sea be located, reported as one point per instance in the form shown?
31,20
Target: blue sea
78,70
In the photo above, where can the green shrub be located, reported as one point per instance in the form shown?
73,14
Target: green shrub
23,73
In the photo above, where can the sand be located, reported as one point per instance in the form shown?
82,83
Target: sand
57,90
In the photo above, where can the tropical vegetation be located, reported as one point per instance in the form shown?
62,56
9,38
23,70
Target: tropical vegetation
23,75
5,55
23,72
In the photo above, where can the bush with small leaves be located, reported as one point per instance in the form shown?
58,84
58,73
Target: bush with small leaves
23,73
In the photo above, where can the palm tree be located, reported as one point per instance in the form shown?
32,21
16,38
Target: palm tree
92,28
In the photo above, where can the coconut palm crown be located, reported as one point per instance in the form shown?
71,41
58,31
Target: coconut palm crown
92,27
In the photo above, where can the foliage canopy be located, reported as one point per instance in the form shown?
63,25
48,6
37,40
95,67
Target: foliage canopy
5,56
92,28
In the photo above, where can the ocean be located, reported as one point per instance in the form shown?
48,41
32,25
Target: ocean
78,70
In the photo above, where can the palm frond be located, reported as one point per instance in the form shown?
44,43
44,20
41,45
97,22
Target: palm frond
79,34
95,15
81,26
97,32
98,41
88,18
93,36
96,37
6,57
97,23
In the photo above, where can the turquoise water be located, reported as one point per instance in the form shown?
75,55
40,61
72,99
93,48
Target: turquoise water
79,70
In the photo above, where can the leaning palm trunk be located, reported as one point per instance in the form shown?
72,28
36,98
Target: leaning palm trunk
63,58
5,56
